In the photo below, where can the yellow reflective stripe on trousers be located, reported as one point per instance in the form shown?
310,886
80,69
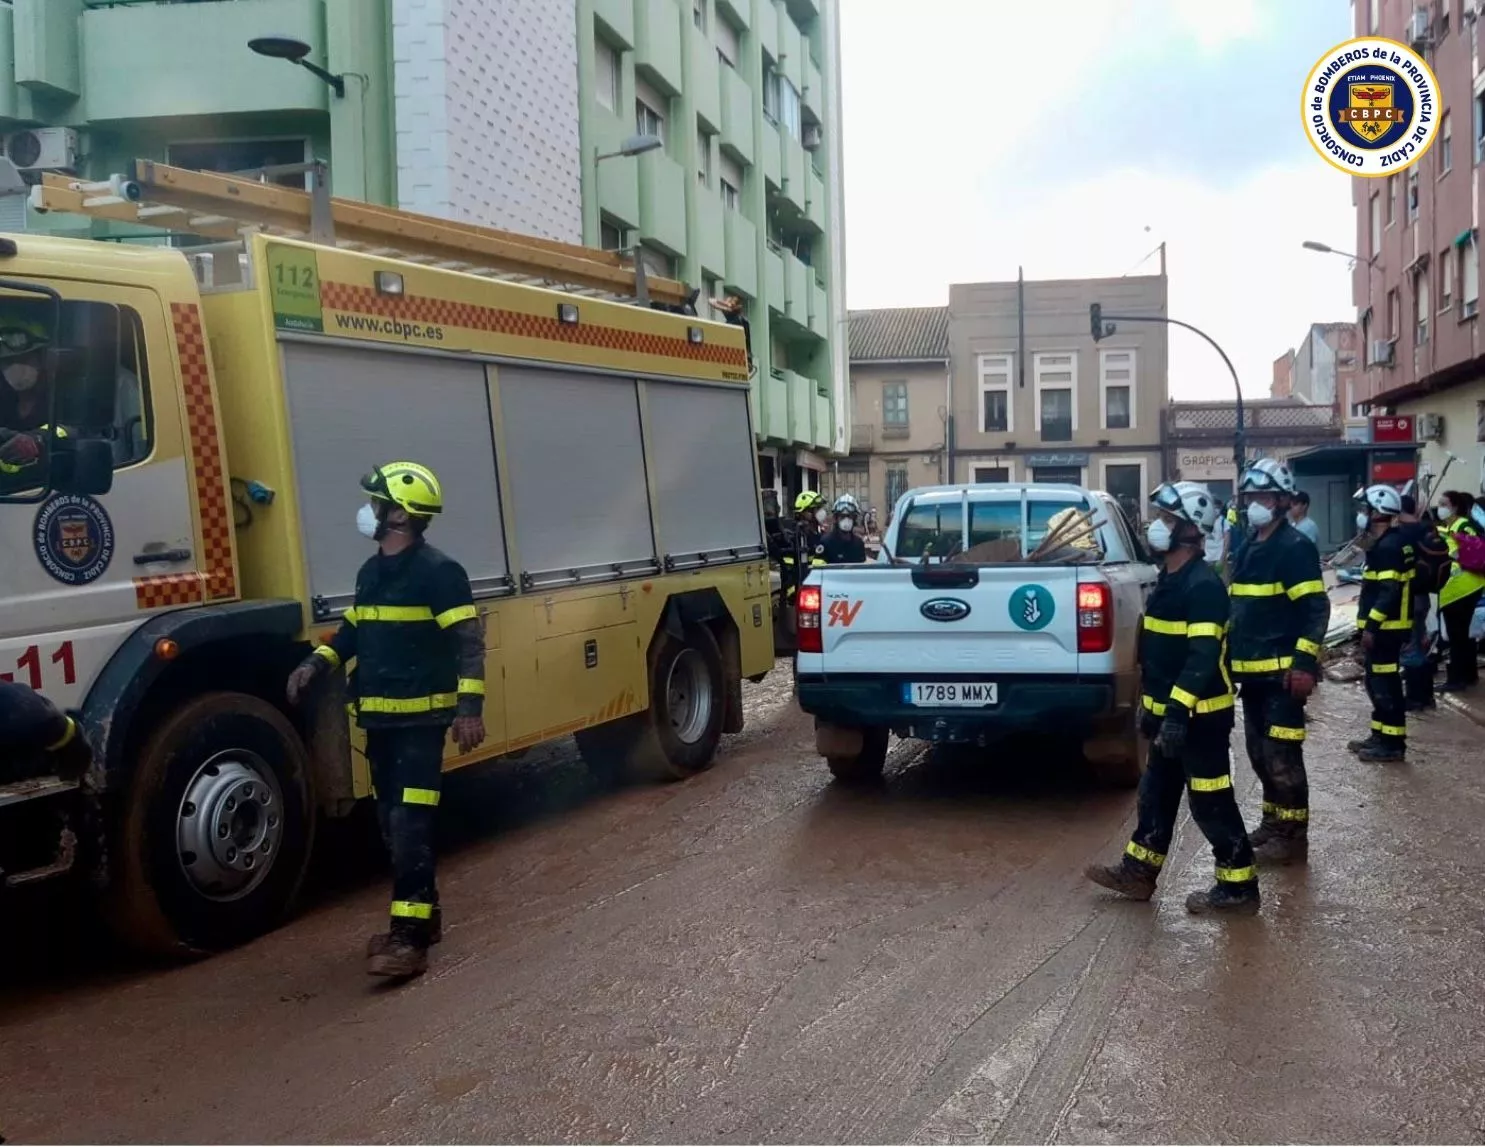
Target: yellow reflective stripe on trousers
328,655
1237,875
397,613
472,686
1390,730
1148,855
420,796
1210,784
1305,645
1279,812
1400,624
1255,589
65,739
1158,625
407,704
411,910
454,616
1204,629
1392,668
1387,575
1304,589
1286,733
1266,665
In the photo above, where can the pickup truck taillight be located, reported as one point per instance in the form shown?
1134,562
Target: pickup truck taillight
808,623
1095,618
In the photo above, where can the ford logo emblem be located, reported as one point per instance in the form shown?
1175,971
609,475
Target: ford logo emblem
945,609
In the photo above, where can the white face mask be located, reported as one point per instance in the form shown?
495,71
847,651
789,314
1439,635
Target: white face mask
1157,533
821,515
366,521
847,525
1363,520
21,376
1259,515
1444,513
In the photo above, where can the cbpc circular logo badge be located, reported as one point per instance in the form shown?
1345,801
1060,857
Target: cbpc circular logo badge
73,538
1371,107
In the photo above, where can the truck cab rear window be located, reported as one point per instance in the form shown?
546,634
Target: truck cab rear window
938,524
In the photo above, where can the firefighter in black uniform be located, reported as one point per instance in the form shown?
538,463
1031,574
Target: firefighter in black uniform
842,545
1279,616
418,644
1187,708
1384,614
36,738
800,541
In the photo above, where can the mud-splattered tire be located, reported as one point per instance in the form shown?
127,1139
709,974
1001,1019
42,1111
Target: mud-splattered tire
216,829
864,767
679,734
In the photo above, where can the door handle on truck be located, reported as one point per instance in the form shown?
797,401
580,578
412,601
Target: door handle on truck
150,557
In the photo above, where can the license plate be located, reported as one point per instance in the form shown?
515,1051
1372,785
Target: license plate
944,693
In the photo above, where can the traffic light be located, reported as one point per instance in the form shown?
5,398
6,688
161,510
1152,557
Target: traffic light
1095,320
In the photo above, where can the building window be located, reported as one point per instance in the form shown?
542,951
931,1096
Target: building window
1469,276
1422,309
729,43
703,158
770,93
789,108
1391,200
1413,194
897,485
230,155
1116,384
649,111
894,409
1394,315
1446,145
992,474
1376,225
1056,395
1125,483
608,74
1446,281
610,235
995,393
1376,14
657,262
1479,420
698,14
729,196
1479,119
1366,332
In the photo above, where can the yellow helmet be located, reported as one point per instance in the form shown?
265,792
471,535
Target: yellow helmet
22,336
808,500
413,487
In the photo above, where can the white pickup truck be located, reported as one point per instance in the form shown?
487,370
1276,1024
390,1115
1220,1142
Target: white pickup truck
965,652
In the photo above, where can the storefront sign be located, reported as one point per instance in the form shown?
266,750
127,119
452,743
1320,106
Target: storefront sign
1392,428
1065,458
1217,465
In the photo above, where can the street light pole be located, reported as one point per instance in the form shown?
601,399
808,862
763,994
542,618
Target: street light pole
634,145
1104,325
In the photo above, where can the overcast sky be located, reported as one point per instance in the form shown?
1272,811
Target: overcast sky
983,134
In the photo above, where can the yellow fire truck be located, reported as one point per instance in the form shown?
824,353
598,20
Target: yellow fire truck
190,530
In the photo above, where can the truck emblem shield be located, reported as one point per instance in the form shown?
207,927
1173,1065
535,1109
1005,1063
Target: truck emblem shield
73,539
945,609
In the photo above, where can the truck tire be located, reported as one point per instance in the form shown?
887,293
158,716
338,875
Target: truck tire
679,735
1120,763
865,766
216,829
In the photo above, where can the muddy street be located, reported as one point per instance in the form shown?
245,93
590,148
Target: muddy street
759,955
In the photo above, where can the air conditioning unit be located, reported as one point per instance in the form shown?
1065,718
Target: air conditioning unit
42,148
1382,352
1431,427
1418,28
812,136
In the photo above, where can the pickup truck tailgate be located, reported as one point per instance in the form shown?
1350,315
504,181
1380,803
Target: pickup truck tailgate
949,619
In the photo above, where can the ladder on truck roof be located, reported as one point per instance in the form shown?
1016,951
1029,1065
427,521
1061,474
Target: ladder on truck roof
228,207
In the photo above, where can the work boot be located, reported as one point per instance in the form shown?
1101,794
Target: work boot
1130,877
401,959
1265,832
1224,899
1380,754
1370,741
1281,848
378,943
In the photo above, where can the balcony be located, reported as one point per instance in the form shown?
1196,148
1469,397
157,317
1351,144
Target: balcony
1057,430
183,47
657,49
791,52
741,239
703,82
813,96
618,179
767,30
801,402
617,18
771,155
737,115
820,310
662,200
773,279
803,11
710,236
792,156
824,427
798,281
775,421
814,198
741,11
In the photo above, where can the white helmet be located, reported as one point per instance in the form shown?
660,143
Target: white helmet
846,505
1190,501
1381,499
1267,476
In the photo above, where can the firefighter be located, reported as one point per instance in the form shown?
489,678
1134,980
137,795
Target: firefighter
1279,616
1186,707
800,542
37,738
842,545
1460,595
418,644
1384,614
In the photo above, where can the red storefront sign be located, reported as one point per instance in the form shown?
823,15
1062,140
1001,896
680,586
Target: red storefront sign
1395,473
1392,428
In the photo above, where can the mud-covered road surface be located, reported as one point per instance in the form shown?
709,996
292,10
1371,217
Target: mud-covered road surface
757,954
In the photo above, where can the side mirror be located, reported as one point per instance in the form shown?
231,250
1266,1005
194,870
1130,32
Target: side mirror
83,466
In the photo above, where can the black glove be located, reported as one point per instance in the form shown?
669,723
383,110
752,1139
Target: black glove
1172,738
1149,724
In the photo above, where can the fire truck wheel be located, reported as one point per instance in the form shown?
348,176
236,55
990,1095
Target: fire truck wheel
216,830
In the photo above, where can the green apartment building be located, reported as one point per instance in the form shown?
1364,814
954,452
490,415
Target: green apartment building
496,112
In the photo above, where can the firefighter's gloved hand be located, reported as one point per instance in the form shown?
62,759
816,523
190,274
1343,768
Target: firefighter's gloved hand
21,450
1299,684
303,677
1149,724
469,733
1368,639
1172,739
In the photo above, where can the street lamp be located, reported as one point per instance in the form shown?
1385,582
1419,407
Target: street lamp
634,145
295,51
1327,249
